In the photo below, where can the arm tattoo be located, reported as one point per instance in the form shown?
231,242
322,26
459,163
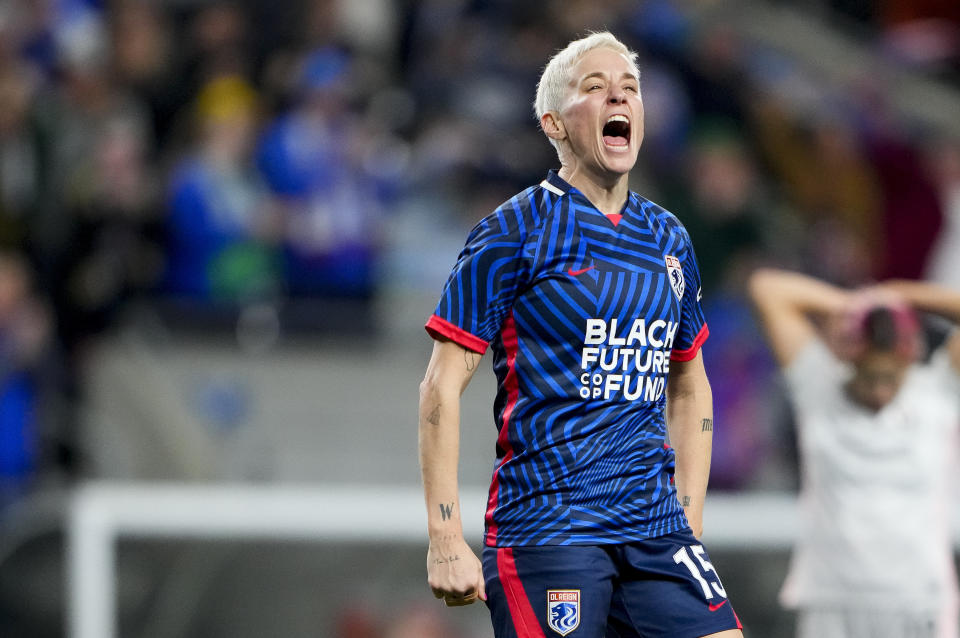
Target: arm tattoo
706,425
434,418
446,511
470,359
686,501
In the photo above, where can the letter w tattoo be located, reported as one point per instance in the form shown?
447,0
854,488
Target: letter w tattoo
446,511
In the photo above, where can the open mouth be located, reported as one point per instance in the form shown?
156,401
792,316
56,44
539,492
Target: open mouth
616,132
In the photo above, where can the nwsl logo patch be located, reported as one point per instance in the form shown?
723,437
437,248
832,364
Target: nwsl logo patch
675,274
563,610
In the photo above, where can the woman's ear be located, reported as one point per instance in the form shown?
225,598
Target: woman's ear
552,126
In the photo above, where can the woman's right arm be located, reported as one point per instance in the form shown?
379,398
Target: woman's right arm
453,570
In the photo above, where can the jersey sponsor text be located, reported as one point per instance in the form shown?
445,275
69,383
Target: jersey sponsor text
642,354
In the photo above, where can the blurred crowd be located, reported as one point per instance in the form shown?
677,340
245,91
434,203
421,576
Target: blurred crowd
216,155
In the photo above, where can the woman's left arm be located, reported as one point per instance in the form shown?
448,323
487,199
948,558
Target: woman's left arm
690,426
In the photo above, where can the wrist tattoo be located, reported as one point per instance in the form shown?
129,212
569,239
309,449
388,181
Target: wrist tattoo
446,511
686,501
434,418
706,425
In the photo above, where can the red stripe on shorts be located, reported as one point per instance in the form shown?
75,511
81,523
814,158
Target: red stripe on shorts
524,620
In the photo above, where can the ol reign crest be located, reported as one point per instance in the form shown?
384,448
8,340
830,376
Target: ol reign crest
563,610
675,274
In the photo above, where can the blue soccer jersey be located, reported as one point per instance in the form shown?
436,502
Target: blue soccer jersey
584,313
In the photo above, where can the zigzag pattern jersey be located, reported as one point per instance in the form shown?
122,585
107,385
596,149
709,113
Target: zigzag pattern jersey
584,313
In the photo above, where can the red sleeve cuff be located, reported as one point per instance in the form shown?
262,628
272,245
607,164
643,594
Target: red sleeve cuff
691,352
440,327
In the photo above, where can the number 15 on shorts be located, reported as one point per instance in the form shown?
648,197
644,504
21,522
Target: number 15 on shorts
700,574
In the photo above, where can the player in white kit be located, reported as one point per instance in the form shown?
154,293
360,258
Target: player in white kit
877,434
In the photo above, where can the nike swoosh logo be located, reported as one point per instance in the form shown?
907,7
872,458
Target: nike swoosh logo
574,273
712,607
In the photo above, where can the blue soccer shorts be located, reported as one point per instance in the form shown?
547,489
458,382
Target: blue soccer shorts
661,587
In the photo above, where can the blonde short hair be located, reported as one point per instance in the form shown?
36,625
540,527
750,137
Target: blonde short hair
556,75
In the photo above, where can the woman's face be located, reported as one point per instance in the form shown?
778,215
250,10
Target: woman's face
603,113
877,378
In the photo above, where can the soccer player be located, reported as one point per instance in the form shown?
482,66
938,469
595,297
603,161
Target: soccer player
877,437
589,297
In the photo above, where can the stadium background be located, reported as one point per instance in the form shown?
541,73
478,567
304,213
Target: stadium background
223,225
